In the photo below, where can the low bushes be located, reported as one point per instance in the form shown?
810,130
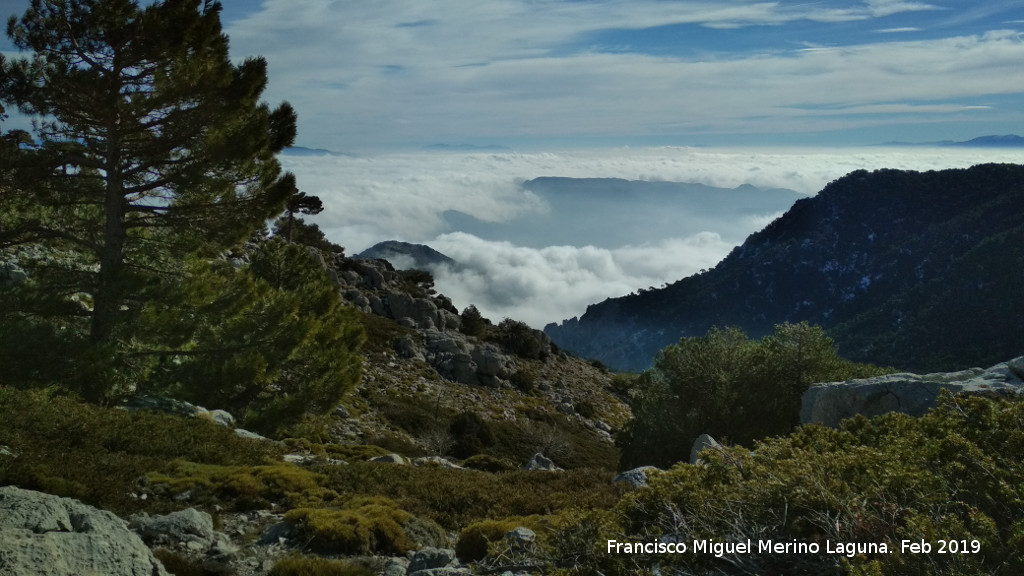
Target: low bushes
364,525
70,448
299,565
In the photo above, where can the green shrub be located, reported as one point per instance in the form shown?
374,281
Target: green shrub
623,383
522,340
354,452
473,322
298,565
475,539
470,434
585,408
523,380
365,525
248,487
270,342
723,384
487,463
953,474
454,498
419,283
71,448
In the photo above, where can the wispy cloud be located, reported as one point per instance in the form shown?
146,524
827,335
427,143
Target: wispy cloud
498,70
898,30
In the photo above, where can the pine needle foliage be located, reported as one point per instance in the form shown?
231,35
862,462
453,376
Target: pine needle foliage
148,145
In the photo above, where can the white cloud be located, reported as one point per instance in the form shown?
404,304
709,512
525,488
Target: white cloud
405,72
403,197
898,30
545,285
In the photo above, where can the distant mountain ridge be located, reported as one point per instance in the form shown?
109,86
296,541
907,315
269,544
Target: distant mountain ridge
1004,141
921,271
303,151
579,211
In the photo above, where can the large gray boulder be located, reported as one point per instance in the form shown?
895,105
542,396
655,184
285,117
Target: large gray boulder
908,393
702,443
637,477
184,526
46,534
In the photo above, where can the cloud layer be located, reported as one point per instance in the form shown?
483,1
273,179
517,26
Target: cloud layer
400,73
404,197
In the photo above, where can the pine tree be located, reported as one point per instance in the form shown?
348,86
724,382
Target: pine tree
149,143
149,147
300,203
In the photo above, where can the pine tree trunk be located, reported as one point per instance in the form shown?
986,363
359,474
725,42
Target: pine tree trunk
107,298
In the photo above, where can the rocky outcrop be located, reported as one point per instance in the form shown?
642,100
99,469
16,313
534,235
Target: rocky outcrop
179,408
702,443
637,477
45,534
541,463
908,393
429,558
375,287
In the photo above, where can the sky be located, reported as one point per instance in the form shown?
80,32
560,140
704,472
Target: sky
529,74
532,74
789,94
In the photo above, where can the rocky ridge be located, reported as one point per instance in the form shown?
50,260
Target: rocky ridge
426,358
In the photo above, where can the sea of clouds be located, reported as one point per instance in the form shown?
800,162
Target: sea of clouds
405,197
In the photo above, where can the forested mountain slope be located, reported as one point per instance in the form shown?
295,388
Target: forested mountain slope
918,270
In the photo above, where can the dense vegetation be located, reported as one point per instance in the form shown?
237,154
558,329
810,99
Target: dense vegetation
128,209
954,474
135,217
726,385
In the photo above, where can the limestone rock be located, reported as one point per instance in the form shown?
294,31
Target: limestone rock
702,443
520,539
436,461
391,459
223,417
395,567
637,477
184,526
45,534
541,462
179,408
428,558
250,435
908,393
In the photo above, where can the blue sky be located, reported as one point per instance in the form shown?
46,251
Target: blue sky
394,75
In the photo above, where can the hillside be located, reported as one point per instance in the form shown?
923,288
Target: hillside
910,269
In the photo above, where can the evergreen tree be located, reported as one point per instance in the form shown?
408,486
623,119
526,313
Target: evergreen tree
269,342
149,143
149,146
300,203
